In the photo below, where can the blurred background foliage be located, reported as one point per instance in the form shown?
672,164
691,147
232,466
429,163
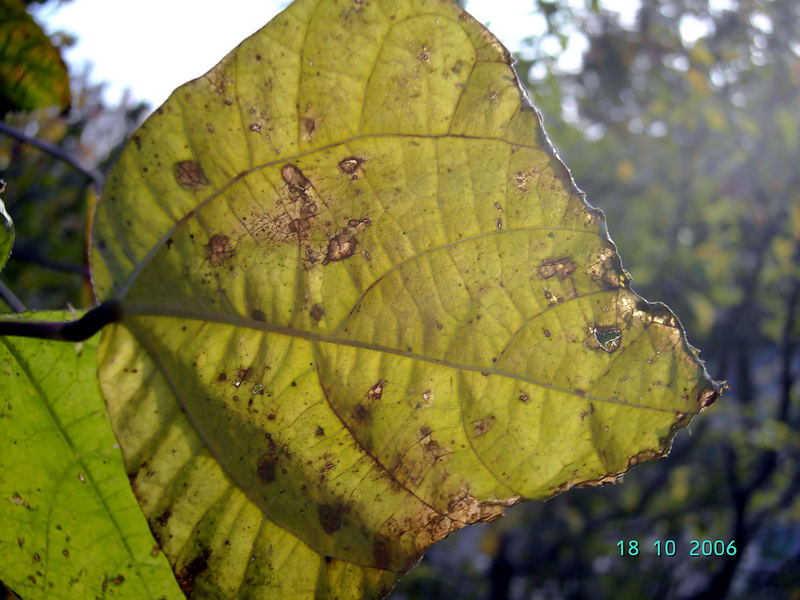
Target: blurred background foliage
683,125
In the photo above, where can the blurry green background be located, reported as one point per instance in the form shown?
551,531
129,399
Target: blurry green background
683,125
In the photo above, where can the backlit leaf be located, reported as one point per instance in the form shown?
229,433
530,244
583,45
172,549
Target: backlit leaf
366,305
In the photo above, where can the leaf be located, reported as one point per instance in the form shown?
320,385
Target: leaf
6,231
32,72
69,524
365,306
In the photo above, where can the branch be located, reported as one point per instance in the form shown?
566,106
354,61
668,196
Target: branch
56,265
69,331
92,174
14,302
787,352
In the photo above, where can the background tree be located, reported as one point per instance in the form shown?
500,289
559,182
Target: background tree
691,148
690,145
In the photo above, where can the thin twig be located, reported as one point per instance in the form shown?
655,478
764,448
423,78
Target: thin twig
14,302
56,265
787,353
92,174
69,331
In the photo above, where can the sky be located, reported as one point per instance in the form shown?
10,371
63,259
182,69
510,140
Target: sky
153,46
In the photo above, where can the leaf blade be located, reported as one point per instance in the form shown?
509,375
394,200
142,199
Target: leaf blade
364,293
69,526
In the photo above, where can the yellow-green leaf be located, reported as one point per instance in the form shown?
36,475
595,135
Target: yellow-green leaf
366,305
69,524
32,72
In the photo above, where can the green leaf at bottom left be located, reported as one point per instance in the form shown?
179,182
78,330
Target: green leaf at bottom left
70,526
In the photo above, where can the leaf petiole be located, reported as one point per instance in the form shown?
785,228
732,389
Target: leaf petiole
66,331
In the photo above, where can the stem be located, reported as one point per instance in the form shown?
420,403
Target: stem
69,331
92,174
11,299
22,254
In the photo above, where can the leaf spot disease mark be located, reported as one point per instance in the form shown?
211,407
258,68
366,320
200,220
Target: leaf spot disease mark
330,517
376,391
561,267
424,55
307,127
523,178
189,573
604,338
359,224
266,469
317,312
341,246
707,397
381,552
483,425
349,166
295,179
219,249
189,174
20,501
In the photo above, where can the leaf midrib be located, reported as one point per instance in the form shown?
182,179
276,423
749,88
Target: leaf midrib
144,310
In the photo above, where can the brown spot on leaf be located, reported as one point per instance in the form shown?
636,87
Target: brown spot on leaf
219,249
307,128
319,432
359,224
20,501
381,552
266,468
342,246
523,178
708,396
257,315
163,518
189,174
294,178
349,166
561,267
376,391
524,397
317,312
643,456
300,227
330,517
605,338
189,573
361,413
483,425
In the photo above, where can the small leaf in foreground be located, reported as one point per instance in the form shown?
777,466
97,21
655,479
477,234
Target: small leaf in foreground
69,525
366,305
